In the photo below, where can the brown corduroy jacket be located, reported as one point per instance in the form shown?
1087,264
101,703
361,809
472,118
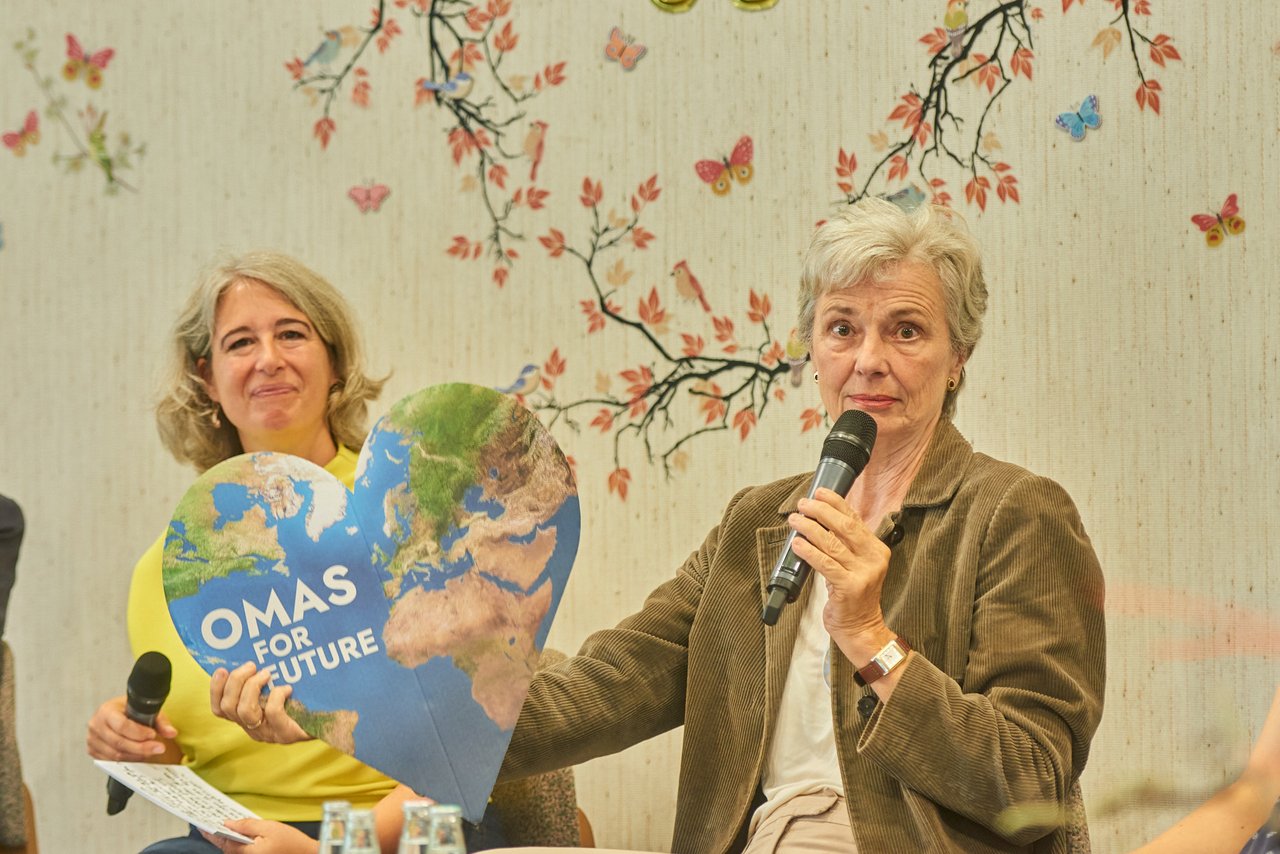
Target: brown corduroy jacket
995,584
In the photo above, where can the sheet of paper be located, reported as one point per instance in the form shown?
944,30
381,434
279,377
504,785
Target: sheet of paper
177,789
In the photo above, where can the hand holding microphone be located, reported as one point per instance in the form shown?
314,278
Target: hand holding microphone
844,455
116,736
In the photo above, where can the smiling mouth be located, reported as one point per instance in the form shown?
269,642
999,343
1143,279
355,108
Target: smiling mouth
271,391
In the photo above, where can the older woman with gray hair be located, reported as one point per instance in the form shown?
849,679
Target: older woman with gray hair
937,688
265,356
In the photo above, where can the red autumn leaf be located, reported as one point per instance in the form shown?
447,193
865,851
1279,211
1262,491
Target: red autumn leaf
295,68
389,31
780,393
922,132
772,355
511,253
1147,96
846,163
552,75
649,190
743,422
476,18
650,309
498,175
975,192
619,479
1066,4
324,131
360,92
595,318
536,198
591,193
498,8
809,419
554,242
500,275
603,421
760,307
555,364
641,237
714,408
640,379
908,110
936,41
462,142
724,328
421,94
1020,62
506,39
989,76
1037,14
693,344
466,57
898,168
460,247
1006,188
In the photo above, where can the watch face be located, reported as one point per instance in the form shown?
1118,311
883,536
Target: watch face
889,657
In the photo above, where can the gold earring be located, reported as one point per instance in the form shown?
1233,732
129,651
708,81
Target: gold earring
951,384
213,416
815,376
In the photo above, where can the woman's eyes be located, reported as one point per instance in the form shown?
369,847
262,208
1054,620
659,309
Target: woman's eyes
908,332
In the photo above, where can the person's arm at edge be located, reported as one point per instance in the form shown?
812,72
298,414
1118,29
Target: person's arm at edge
1225,822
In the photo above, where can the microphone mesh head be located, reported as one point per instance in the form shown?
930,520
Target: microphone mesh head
851,440
150,676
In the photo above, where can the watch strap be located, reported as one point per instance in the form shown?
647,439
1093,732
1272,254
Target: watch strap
883,662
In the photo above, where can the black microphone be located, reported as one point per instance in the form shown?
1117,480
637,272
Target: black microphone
147,690
844,455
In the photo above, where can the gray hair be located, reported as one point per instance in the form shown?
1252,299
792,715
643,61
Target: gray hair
868,240
185,414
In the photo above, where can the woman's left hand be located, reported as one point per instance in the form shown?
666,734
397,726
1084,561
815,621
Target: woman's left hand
269,837
853,561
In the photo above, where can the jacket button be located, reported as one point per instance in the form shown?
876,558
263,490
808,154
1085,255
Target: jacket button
867,705
895,536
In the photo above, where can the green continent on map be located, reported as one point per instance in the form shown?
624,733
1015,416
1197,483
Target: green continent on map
203,551
335,728
451,427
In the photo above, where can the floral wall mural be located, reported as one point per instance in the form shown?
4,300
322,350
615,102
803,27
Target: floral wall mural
602,211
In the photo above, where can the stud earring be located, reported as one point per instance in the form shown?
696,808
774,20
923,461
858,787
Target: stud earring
951,384
815,376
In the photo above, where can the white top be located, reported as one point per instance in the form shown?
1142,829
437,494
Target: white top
803,758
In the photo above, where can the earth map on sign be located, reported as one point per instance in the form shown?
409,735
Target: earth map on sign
432,585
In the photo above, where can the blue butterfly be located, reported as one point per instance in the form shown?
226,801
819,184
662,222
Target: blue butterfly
1076,123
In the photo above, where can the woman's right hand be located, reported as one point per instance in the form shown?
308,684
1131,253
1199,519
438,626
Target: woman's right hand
237,697
115,737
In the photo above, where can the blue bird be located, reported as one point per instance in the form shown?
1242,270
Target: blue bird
458,86
526,383
327,52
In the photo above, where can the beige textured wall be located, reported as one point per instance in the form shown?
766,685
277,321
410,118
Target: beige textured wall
1122,356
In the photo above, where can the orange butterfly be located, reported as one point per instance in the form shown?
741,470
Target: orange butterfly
18,141
370,197
738,166
1217,226
623,49
90,64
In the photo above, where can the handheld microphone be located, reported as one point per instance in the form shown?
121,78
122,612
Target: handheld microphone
844,455
147,690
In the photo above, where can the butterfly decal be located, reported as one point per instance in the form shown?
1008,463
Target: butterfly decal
369,197
91,65
28,134
1086,118
737,166
623,49
1217,226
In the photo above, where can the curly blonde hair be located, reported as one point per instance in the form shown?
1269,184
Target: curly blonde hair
867,241
186,416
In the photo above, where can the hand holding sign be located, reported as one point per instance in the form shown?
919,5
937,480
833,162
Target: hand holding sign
407,615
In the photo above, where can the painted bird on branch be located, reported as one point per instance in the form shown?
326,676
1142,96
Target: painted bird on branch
688,286
528,381
533,145
955,22
327,52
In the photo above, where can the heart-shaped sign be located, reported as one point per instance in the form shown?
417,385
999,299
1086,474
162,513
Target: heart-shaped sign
408,614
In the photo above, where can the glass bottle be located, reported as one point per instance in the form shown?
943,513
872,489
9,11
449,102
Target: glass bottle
446,830
362,837
415,833
333,826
